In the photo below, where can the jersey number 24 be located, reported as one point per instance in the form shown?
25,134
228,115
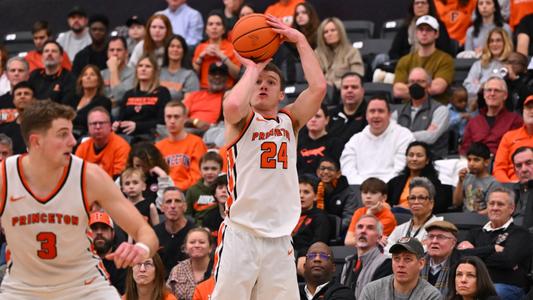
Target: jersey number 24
271,155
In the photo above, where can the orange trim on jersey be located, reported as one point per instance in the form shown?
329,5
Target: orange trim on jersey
231,178
58,186
293,120
84,190
218,251
3,192
248,122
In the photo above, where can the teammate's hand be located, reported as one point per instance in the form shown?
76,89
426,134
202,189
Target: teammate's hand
127,255
287,33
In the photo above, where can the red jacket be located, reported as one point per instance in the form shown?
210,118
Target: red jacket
478,130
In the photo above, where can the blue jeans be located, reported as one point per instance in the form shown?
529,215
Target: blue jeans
509,292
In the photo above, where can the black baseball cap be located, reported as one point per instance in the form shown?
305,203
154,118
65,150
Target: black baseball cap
135,20
408,244
77,10
221,69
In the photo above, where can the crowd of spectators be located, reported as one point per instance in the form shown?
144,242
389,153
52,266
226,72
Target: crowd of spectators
149,112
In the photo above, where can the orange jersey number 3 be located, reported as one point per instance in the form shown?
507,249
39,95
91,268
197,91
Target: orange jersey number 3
271,155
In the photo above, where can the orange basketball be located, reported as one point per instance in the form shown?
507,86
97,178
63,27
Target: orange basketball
253,38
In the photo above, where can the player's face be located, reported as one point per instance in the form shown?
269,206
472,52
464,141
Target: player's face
319,263
523,164
51,55
77,23
116,49
494,93
500,208
221,194
133,186
327,172
366,233
174,119
422,205
426,35
209,170
440,243
56,143
140,164
420,7
496,44
527,115
158,30
214,28
485,7
22,98
144,273
417,158
197,245
98,31
136,32
173,205
307,196
318,122
268,92
406,267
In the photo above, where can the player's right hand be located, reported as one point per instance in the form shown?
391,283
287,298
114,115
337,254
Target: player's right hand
128,255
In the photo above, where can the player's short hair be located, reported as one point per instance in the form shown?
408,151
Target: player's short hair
273,68
129,172
374,185
40,115
212,156
331,161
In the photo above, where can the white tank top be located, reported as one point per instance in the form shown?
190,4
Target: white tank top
262,177
48,238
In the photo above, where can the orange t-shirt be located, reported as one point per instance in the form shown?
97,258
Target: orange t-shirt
204,289
183,158
284,11
457,18
112,158
35,60
166,296
385,216
503,163
519,9
227,48
204,105
403,202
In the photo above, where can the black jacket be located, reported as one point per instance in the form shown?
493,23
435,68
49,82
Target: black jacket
351,276
395,187
344,126
311,151
332,291
342,202
312,227
57,87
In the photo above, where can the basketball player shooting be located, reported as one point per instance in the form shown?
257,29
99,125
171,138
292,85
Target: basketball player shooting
45,197
255,259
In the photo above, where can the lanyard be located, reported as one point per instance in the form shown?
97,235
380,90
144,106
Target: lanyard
410,293
419,228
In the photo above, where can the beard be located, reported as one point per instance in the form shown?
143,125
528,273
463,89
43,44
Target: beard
102,248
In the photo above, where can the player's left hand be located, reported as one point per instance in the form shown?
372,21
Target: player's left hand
127,255
287,33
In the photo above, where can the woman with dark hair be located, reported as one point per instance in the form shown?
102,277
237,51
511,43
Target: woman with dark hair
89,94
488,15
175,74
142,107
146,281
405,40
469,280
457,16
215,49
306,21
197,268
158,31
246,9
145,156
419,162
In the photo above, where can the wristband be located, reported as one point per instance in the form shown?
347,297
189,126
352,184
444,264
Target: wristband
143,246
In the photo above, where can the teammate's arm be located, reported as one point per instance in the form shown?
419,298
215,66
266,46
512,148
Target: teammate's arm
100,188
308,102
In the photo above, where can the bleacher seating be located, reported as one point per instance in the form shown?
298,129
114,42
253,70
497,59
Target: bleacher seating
17,42
335,230
339,254
461,68
390,28
374,88
359,29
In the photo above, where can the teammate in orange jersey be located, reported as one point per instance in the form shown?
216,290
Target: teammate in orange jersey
45,198
255,259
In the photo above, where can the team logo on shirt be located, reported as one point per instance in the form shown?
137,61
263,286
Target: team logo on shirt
45,218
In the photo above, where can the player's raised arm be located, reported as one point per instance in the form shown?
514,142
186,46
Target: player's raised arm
102,189
308,102
237,102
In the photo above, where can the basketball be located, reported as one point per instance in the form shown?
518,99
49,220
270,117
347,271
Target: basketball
254,39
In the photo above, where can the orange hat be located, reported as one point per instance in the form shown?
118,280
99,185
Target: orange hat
528,99
100,217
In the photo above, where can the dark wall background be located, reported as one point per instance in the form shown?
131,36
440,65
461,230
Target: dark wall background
19,15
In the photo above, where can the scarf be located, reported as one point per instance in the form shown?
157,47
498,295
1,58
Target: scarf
370,261
321,192
442,281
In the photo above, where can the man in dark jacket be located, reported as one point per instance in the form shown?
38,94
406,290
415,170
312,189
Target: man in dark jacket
523,164
319,269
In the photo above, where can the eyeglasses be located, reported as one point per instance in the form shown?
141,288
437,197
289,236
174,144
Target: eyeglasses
98,123
321,255
439,237
322,168
146,264
420,198
490,91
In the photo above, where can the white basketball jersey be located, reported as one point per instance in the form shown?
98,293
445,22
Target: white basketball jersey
262,177
48,237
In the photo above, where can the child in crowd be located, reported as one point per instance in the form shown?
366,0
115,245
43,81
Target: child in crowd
133,186
214,217
199,197
459,111
475,182
374,196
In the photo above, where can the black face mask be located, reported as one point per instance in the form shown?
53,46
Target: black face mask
416,91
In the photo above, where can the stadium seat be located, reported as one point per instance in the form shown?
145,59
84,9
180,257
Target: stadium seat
335,230
402,218
390,28
372,46
339,254
18,37
465,220
461,68
292,92
359,29
375,88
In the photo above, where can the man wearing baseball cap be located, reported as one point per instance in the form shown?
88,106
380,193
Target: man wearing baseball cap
104,241
504,170
405,282
78,36
441,239
436,62
136,31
